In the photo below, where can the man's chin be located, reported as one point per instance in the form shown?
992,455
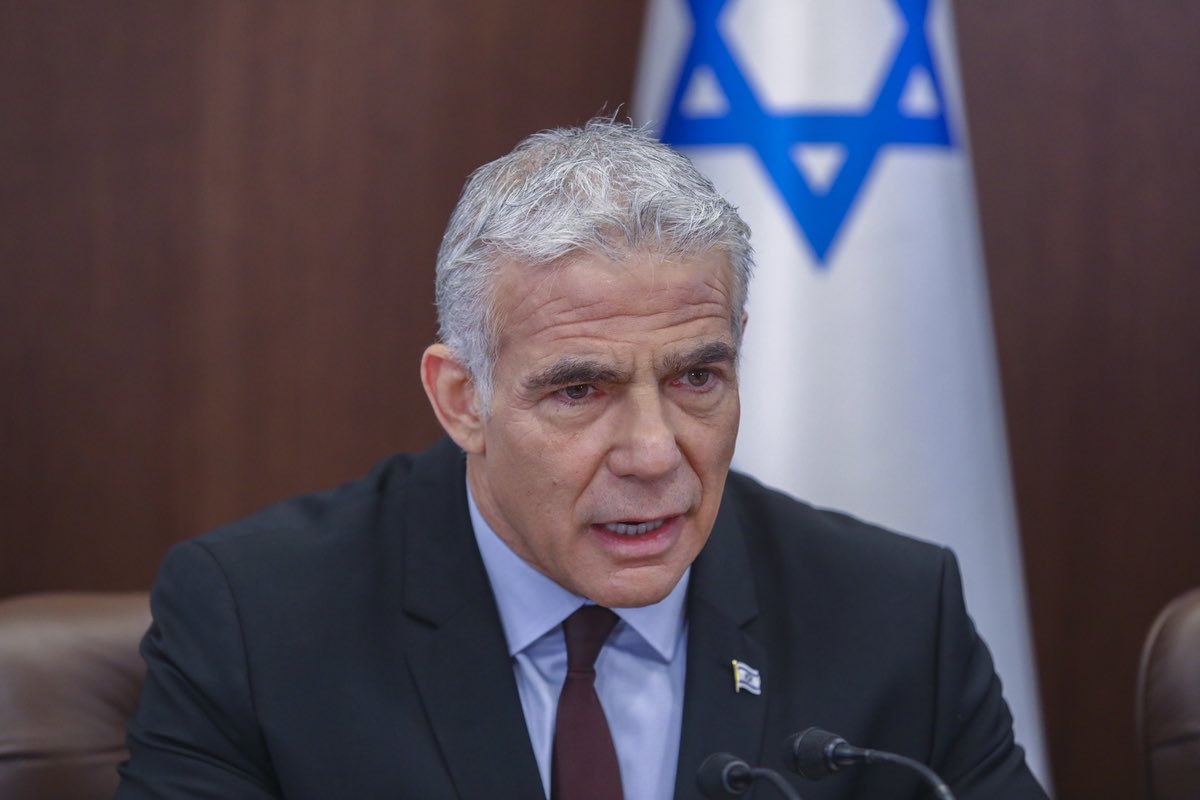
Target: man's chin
635,587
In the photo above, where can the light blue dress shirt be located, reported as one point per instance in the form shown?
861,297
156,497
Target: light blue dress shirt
639,672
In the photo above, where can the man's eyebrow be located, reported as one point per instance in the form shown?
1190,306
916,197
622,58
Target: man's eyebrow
708,353
573,372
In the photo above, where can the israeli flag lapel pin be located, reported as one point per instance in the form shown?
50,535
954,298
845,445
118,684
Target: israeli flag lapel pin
746,677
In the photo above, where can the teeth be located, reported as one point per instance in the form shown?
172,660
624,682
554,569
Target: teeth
633,530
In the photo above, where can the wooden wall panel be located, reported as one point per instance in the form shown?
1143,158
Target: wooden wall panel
1083,120
96,232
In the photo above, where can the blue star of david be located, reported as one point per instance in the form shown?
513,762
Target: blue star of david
820,215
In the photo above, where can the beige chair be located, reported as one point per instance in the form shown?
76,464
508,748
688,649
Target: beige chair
70,675
1168,703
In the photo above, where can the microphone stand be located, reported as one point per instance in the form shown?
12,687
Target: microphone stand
776,780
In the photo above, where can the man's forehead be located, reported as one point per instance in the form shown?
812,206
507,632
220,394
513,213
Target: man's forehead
584,287
620,337
584,272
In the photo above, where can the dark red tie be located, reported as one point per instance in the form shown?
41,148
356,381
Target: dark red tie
585,764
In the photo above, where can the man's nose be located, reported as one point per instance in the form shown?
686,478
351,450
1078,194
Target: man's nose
645,447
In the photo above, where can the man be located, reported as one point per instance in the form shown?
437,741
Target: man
408,635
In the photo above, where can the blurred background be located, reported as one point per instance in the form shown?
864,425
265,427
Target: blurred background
218,223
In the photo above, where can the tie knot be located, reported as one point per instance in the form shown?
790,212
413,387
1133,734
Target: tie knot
586,631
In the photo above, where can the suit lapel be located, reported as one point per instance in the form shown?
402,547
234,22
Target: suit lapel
459,661
458,656
721,606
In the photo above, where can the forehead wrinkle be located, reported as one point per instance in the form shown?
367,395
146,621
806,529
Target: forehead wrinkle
608,346
537,288
680,313
530,299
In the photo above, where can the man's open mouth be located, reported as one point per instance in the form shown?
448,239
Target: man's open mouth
633,528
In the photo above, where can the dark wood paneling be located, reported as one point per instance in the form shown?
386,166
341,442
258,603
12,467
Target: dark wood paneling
219,227
1084,116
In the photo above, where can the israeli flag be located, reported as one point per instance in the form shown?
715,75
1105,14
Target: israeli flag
746,678
868,376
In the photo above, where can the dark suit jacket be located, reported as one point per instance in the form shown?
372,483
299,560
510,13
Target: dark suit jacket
347,645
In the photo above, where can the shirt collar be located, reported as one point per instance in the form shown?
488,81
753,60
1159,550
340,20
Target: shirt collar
531,604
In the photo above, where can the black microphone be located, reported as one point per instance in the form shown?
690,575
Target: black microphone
815,753
724,775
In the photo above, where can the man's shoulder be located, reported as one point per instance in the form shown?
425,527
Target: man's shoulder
782,530
342,527
297,571
340,510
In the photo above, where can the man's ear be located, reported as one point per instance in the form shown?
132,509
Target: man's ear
452,393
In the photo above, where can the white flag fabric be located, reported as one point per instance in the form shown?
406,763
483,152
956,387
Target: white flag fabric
869,380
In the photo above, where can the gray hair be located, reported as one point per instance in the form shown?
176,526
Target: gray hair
604,189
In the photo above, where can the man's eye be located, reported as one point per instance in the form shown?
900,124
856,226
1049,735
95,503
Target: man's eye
577,392
698,378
